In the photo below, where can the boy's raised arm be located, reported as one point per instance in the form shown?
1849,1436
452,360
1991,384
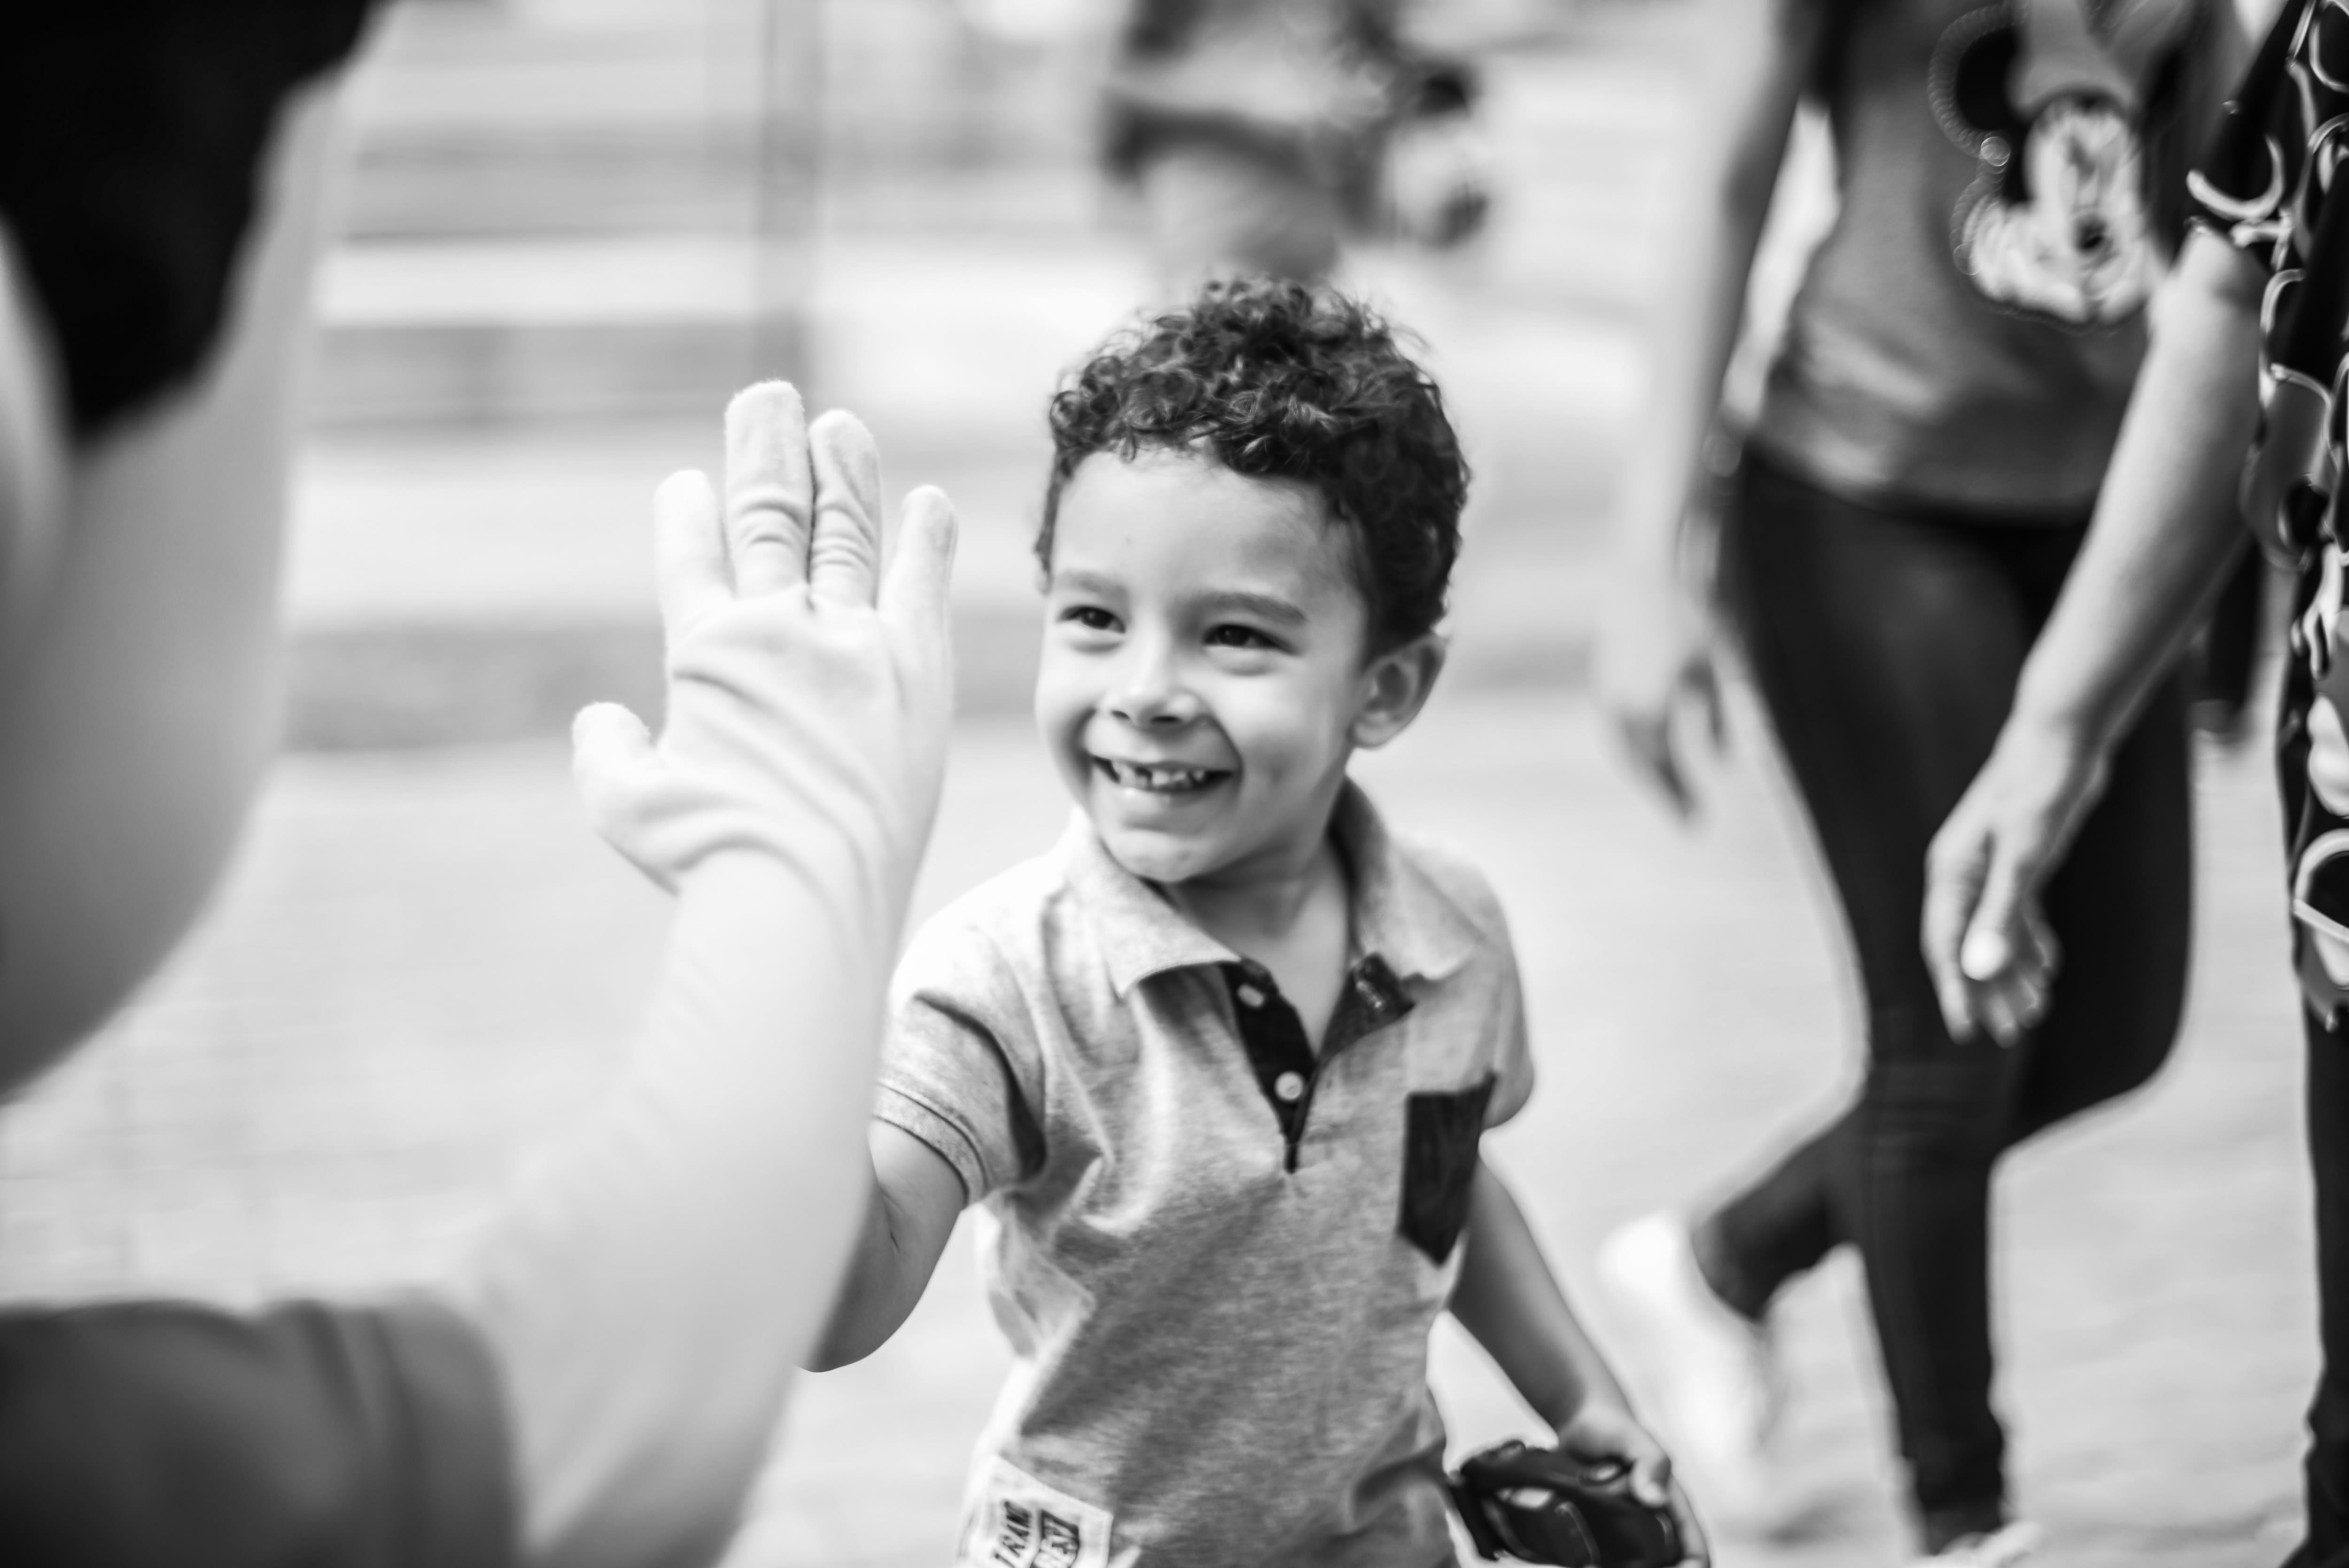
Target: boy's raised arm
909,1213
1508,1299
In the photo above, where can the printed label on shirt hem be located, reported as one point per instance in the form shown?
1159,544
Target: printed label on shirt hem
1017,1521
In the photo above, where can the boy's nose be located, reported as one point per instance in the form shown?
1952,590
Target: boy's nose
1150,691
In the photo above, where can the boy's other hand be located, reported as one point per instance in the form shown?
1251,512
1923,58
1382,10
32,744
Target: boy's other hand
810,680
1602,1430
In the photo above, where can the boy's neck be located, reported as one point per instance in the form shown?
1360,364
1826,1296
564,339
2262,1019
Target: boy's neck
1297,923
1255,913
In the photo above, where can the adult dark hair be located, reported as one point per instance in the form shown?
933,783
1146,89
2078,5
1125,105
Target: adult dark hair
1283,380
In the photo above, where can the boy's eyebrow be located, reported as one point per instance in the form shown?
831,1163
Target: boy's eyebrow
1272,606
1083,582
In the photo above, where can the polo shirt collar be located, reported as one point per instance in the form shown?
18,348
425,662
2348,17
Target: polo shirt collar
1399,914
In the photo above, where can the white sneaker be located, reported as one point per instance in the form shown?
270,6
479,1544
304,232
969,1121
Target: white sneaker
2001,1547
1711,1369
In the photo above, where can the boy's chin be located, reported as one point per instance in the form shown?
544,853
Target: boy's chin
1155,856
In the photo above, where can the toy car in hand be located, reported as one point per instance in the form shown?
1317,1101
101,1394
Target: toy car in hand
1539,1505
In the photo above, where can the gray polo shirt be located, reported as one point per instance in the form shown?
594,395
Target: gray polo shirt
1217,1256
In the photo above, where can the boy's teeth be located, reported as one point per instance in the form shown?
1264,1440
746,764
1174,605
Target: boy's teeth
1139,776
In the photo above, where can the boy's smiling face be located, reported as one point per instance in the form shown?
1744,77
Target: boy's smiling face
1204,674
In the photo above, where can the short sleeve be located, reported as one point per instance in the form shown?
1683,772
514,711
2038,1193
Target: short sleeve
170,1433
958,1023
1512,1058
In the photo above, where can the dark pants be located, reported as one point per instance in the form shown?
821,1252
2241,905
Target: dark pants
2327,1543
1886,644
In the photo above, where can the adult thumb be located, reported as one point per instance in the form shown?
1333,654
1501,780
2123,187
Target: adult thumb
611,758
1988,948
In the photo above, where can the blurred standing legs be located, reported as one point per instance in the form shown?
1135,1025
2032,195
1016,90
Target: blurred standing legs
2326,1544
1887,646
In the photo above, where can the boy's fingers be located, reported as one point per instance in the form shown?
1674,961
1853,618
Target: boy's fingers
1651,1480
914,593
769,490
1695,1550
846,552
688,551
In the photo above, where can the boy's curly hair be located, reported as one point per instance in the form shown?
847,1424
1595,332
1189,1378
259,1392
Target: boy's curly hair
1279,380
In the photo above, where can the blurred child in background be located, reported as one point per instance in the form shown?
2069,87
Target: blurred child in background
1260,134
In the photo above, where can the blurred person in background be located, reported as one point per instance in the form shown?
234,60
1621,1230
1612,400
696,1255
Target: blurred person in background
1259,134
1933,435
2251,341
598,1382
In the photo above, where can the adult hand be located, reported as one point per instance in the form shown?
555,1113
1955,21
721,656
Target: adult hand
1994,958
1603,1429
1655,663
810,678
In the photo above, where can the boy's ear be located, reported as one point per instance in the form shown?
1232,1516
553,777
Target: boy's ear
1395,685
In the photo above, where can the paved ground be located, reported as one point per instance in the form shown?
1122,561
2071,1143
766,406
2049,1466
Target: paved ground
424,962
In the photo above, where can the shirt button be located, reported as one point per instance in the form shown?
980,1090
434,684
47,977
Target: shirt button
1250,996
1290,1086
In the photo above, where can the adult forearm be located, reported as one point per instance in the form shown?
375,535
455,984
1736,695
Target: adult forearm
1751,81
660,1274
2167,521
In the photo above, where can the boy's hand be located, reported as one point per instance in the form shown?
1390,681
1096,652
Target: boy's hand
810,678
1602,1430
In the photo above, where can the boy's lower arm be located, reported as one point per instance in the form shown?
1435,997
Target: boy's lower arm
1509,1301
910,1209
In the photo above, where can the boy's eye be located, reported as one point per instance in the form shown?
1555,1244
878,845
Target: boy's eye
1232,636
1093,617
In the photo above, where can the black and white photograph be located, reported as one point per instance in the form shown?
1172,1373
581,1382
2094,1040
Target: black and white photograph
1174,784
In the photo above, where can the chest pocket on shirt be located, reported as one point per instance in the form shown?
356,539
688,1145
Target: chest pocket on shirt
1439,1135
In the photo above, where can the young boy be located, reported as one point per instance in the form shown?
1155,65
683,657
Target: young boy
1217,1065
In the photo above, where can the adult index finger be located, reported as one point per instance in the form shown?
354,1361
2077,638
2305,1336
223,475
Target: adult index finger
770,488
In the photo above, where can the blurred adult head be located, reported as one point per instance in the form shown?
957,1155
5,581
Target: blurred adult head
139,636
